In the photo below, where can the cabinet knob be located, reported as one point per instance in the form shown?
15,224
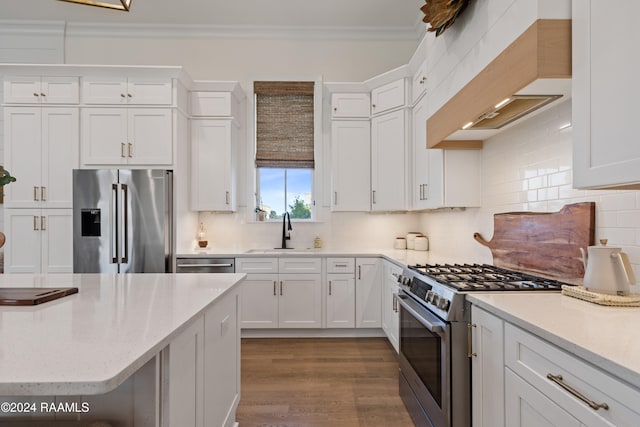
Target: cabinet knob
129,95
335,108
36,94
122,95
43,94
373,105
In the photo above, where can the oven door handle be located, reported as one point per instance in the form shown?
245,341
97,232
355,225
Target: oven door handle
408,305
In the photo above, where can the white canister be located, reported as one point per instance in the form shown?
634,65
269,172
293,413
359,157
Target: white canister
411,237
400,243
421,243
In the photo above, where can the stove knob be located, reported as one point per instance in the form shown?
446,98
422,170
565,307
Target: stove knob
444,304
435,300
429,296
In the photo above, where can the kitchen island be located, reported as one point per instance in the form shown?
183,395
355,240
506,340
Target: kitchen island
143,347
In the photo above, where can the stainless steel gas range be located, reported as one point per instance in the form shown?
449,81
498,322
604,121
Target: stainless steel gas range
435,328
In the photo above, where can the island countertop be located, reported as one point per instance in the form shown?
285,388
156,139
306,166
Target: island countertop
90,342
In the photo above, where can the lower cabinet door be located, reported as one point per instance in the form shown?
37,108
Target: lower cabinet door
341,301
260,293
526,406
300,304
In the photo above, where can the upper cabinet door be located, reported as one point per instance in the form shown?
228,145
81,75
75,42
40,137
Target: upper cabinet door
41,90
104,136
150,136
122,91
350,105
605,93
387,97
388,169
350,165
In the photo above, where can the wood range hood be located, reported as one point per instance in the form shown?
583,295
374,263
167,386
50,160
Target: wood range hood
530,73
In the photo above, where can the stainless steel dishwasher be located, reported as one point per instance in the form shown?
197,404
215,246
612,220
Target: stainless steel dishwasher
205,265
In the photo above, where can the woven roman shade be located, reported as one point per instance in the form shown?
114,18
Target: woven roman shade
284,124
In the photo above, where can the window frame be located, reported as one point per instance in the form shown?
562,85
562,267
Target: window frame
317,173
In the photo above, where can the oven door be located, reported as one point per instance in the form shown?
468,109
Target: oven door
425,362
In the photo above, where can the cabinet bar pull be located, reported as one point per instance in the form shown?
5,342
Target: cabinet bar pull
35,194
130,148
35,223
470,352
122,153
280,287
335,198
359,272
274,288
341,265
226,197
43,223
374,196
43,195
329,287
593,405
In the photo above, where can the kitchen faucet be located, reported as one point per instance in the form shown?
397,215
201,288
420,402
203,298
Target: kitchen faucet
286,218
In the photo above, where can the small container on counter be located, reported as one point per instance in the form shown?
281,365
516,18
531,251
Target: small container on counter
411,237
400,243
421,243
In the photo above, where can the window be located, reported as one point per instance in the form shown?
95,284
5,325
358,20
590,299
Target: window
284,148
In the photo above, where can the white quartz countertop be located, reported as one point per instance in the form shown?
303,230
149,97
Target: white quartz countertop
607,337
90,342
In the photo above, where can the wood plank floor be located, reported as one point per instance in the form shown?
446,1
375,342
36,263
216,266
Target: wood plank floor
321,382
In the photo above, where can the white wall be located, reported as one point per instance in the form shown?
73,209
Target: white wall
528,168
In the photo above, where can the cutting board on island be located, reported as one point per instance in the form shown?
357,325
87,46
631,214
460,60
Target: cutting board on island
32,296
546,243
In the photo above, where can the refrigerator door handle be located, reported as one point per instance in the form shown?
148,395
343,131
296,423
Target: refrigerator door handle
125,224
113,246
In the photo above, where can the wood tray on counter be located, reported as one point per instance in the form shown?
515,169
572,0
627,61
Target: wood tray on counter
32,296
543,243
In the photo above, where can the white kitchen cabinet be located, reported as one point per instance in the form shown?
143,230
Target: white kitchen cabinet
526,406
202,383
341,301
419,84
487,369
127,136
213,159
351,165
221,362
213,104
185,398
605,93
368,293
341,293
281,300
388,162
40,90
41,150
388,97
442,178
38,241
570,382
350,105
123,90
390,312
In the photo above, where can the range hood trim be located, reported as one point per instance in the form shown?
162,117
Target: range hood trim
543,51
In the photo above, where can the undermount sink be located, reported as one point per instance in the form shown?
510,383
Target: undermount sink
280,251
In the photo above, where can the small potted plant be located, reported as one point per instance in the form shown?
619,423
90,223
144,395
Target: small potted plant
5,178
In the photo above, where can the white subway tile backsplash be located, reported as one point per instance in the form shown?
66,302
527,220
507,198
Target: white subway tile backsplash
528,168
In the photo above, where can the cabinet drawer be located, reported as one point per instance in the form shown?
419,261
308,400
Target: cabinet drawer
256,265
534,359
387,97
41,90
299,265
350,105
121,91
205,104
341,265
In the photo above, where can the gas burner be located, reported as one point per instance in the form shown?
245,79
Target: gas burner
484,277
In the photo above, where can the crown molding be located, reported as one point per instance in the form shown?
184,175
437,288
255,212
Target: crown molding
15,27
242,32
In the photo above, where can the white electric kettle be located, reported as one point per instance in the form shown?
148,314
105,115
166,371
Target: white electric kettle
607,270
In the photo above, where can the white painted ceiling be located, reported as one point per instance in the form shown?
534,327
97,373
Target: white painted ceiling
370,15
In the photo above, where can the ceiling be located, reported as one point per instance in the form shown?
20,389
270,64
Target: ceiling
386,16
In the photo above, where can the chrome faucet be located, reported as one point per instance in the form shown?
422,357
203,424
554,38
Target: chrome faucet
286,219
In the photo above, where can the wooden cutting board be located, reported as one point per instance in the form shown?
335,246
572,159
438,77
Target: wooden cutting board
32,296
543,243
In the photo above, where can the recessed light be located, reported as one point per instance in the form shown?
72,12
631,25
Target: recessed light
468,125
565,126
501,103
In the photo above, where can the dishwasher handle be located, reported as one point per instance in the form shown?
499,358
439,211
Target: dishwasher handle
204,265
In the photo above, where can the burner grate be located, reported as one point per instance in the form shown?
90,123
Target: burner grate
484,277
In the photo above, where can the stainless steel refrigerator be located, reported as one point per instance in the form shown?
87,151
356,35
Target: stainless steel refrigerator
122,221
